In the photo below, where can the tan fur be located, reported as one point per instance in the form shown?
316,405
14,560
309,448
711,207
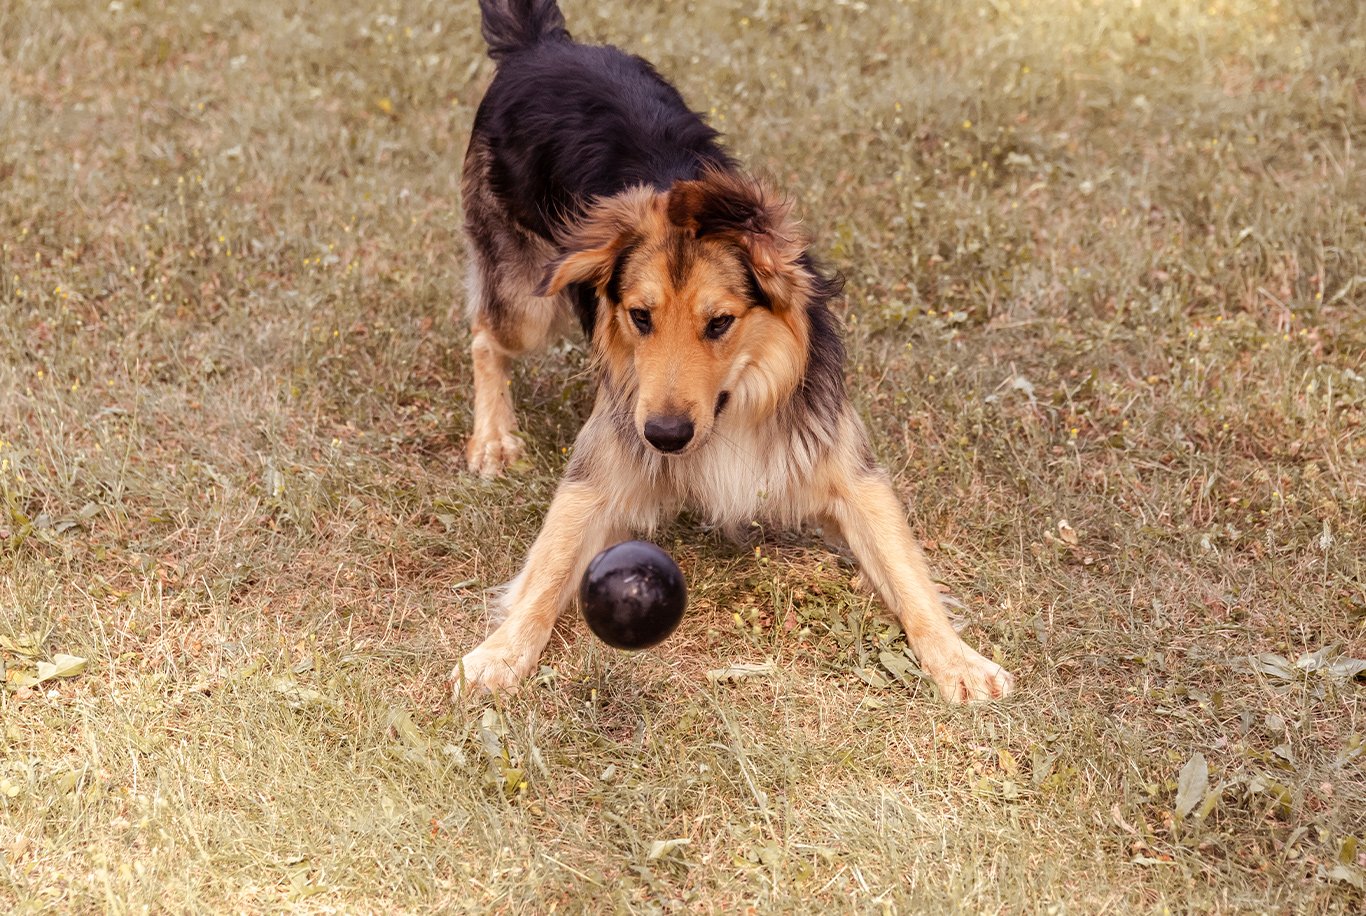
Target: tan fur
578,525
494,443
675,369
608,227
760,459
871,520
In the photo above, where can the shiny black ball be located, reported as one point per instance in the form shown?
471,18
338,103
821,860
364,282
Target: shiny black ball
633,595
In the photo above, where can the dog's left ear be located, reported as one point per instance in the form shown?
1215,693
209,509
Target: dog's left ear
592,250
731,206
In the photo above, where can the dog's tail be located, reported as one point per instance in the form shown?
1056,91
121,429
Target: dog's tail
516,25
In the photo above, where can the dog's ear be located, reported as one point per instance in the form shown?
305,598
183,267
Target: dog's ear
592,250
731,206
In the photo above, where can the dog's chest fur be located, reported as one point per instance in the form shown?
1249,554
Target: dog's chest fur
745,474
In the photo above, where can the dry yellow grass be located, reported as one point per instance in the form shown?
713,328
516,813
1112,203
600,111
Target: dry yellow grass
1107,262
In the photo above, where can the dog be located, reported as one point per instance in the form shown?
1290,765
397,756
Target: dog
592,191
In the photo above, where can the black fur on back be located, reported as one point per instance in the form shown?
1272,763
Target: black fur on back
565,122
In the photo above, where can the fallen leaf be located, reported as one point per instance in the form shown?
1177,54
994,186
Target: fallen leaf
1273,665
1348,875
1210,803
1345,668
872,678
402,725
1329,663
740,671
1149,860
60,666
899,665
1191,785
19,678
22,644
1353,749
298,696
1313,661
492,731
661,848
1284,801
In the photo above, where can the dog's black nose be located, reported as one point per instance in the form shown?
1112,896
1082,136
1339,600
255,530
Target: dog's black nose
668,434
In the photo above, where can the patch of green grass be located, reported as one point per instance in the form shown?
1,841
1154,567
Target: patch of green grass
1107,271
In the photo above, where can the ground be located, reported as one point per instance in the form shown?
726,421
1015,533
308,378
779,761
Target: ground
1106,267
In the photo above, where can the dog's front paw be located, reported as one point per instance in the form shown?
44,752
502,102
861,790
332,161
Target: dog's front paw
494,665
490,454
964,676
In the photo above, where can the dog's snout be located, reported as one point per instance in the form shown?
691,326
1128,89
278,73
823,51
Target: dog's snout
669,433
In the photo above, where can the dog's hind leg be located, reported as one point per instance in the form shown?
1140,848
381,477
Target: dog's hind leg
493,444
507,319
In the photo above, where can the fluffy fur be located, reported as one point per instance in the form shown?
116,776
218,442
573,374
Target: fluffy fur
593,192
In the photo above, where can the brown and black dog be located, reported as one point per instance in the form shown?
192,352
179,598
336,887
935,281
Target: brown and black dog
592,191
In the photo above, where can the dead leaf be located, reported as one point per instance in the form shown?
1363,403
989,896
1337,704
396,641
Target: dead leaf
19,678
60,666
1348,875
740,671
402,725
899,665
872,678
661,848
1273,665
22,644
1191,785
1150,860
297,696
1068,533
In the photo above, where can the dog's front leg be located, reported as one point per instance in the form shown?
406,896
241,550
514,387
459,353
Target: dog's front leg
870,517
580,523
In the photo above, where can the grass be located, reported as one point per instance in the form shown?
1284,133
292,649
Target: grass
1107,268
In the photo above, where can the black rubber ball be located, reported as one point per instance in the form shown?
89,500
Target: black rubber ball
633,595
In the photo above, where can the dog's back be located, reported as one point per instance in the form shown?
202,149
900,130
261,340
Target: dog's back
564,123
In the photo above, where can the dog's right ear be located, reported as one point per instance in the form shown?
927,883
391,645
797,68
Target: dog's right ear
593,248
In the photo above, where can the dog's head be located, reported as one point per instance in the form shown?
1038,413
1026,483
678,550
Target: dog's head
702,293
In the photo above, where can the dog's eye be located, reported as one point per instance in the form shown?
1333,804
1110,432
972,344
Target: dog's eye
719,326
641,319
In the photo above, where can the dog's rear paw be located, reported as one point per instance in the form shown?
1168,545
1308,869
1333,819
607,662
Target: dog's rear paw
964,676
493,667
490,455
